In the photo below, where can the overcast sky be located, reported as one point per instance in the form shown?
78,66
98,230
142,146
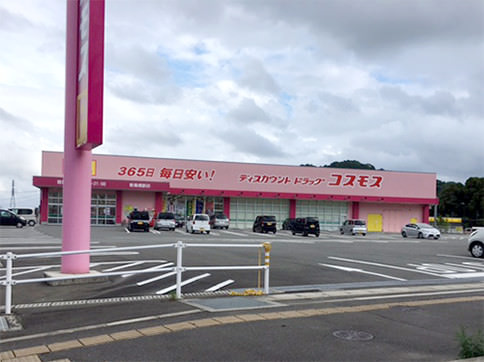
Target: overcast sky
398,84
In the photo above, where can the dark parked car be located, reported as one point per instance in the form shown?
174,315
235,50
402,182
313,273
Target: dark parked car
10,218
306,226
264,224
139,220
179,221
287,224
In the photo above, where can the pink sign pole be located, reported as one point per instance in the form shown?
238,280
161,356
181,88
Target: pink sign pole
83,125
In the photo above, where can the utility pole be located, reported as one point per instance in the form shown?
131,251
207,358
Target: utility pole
12,198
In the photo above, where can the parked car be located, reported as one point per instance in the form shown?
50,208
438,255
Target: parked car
139,220
9,218
198,223
287,223
475,243
420,230
264,224
219,221
353,227
179,221
165,220
305,226
28,213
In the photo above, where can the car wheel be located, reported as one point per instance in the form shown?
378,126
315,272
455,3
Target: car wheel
364,234
341,232
477,250
193,231
274,231
208,232
436,237
305,234
317,235
31,223
19,225
293,233
420,236
404,234
253,229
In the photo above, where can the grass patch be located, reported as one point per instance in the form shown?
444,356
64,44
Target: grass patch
470,345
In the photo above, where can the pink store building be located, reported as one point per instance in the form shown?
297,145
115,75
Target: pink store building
385,199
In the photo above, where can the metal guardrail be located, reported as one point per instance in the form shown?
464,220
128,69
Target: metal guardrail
177,270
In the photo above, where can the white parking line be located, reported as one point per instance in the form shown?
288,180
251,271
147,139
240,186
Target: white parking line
360,271
384,265
154,268
220,285
159,277
123,266
188,281
232,233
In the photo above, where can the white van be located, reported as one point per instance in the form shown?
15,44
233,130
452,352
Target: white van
28,213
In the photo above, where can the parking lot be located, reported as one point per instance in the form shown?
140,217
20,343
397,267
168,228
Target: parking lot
296,261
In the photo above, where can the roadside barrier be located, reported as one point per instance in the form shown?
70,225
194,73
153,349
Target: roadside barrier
9,280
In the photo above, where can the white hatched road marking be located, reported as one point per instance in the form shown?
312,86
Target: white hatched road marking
220,285
232,233
154,268
360,271
147,281
123,266
185,282
163,276
383,265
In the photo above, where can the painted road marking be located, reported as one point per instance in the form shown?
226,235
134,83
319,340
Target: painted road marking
360,271
159,277
232,233
185,282
123,266
220,285
383,265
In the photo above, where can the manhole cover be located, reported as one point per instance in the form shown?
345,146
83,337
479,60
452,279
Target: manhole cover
350,335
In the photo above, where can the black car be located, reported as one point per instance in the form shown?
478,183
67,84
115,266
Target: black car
264,224
287,224
139,220
179,221
9,218
306,226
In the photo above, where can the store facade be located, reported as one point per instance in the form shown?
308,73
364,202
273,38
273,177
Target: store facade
385,199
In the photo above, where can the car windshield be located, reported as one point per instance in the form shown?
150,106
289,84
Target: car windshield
359,222
269,218
220,216
166,216
140,215
312,219
425,226
201,217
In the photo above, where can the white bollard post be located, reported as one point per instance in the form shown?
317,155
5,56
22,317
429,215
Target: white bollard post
179,267
8,285
267,248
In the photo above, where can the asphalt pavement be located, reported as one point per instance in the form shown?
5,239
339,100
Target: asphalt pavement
375,321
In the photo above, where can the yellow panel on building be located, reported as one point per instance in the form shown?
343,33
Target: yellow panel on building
375,223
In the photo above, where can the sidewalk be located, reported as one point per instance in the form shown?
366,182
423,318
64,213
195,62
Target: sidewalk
286,328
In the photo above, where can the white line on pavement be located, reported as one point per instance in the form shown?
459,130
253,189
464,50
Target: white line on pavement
361,271
383,265
188,281
220,285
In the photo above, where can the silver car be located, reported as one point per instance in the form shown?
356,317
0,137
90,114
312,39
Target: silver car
420,231
165,220
353,227
475,243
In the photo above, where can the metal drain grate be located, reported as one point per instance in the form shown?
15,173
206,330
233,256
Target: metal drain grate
230,303
350,335
3,324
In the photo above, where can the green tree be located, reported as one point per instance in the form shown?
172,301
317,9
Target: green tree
351,164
